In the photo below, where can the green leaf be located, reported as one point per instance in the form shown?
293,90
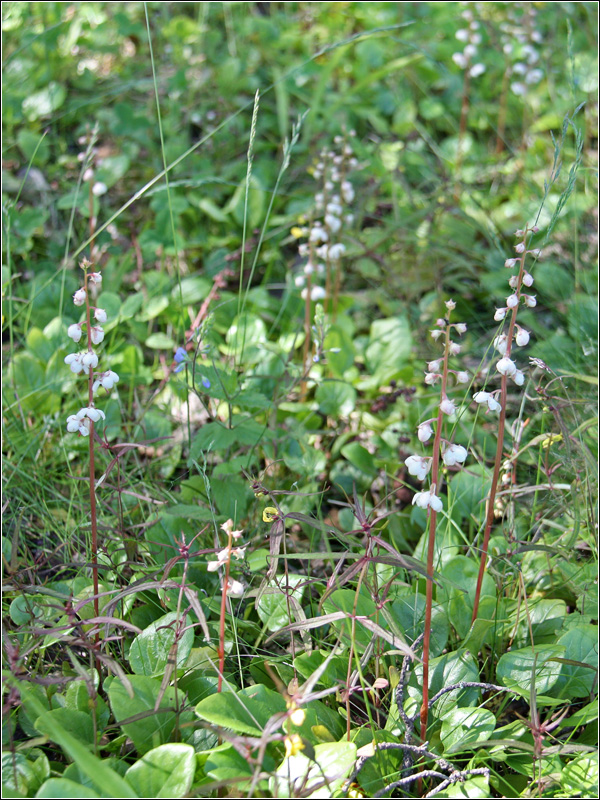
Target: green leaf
444,671
77,723
465,726
580,777
360,458
581,644
112,169
45,102
273,606
256,203
149,650
63,787
165,771
244,712
22,774
390,344
336,398
28,141
160,341
331,762
470,489
409,613
149,731
515,669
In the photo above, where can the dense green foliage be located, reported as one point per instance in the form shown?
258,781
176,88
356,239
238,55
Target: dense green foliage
201,192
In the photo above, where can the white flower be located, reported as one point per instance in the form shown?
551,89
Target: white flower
477,70
512,301
334,208
74,332
89,360
424,432
309,268
95,414
500,343
97,334
519,378
460,328
513,281
99,188
518,88
335,252
530,300
95,278
519,68
299,281
318,234
450,305
73,423
435,334
454,454
431,378
462,35
418,466
222,558
534,76
447,406
462,377
527,279
500,314
435,366
506,367
427,500
522,337
74,361
470,50
333,223
316,293
235,588
485,397
510,262
106,379
79,297
520,248
536,252
460,60
100,315
454,348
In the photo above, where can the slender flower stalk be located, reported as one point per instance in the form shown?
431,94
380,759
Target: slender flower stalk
450,454
507,368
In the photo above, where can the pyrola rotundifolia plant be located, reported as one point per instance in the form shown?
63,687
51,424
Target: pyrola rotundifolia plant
444,450
86,362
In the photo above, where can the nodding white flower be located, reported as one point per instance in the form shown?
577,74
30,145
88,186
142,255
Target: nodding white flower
454,454
349,219
460,60
512,301
507,49
447,406
506,366
522,337
470,50
462,377
88,174
347,191
520,248
424,432
235,588
106,379
518,378
418,466
79,297
303,249
454,348
316,293
74,332
318,234
95,277
100,315
510,262
95,414
99,188
500,314
320,269
431,378
435,366
519,68
530,300
435,334
427,500
450,305
336,251
460,328
334,208
513,281
462,35
500,343
518,88
96,334
534,76
222,558
333,223
477,70
329,186
74,360
488,399
527,279
89,360
309,268
536,253
476,38
299,281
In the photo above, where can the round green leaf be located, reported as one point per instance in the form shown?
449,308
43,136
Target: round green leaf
516,669
336,398
465,726
149,650
165,771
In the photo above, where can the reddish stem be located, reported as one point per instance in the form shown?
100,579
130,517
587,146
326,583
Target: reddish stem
221,650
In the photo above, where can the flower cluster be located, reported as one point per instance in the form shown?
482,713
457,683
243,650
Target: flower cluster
452,454
86,361
471,38
234,588
520,39
324,250
503,342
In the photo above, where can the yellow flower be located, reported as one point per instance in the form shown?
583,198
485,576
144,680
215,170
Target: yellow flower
298,714
270,514
293,745
552,439
297,232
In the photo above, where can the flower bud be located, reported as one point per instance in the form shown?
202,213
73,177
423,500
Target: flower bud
74,332
79,297
522,337
506,367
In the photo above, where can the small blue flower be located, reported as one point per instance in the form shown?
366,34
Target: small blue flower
180,358
206,383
